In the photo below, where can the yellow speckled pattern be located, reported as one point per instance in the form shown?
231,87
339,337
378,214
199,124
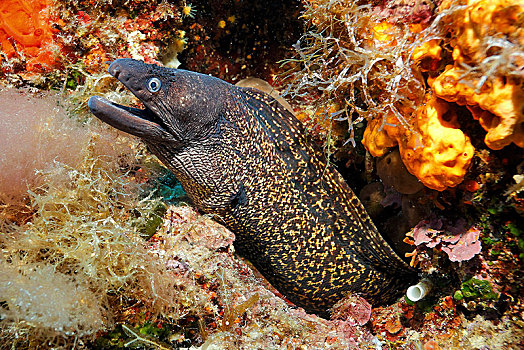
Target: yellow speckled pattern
294,217
245,159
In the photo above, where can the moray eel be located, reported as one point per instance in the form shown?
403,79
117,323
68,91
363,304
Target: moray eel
243,157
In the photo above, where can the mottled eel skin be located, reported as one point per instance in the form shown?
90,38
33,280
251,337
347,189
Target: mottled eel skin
242,156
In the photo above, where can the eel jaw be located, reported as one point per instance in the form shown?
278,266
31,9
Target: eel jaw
139,122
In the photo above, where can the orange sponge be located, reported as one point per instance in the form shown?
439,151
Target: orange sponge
25,28
480,27
438,153
499,105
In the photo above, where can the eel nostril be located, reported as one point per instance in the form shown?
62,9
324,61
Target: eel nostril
116,72
114,69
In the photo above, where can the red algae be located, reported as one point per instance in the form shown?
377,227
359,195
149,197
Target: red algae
26,31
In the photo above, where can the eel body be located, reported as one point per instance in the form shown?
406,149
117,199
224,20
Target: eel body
243,157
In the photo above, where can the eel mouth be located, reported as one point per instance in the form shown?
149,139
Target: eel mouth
143,123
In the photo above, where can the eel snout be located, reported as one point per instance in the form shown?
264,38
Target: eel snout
114,69
138,122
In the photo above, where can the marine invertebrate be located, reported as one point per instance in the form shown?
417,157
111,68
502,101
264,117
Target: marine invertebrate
487,36
498,105
26,31
438,154
386,321
346,33
487,71
241,155
188,10
85,36
444,318
428,55
446,152
359,61
418,291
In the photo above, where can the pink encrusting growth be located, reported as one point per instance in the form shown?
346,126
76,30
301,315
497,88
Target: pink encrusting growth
459,243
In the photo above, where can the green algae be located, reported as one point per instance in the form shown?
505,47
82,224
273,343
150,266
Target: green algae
144,335
162,189
476,289
149,218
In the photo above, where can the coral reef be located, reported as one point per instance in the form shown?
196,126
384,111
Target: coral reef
410,11
238,310
486,74
476,289
421,76
97,251
375,67
363,68
488,36
78,38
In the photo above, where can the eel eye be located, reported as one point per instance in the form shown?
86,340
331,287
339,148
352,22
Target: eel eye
154,84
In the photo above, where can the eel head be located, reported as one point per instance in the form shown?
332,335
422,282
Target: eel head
180,107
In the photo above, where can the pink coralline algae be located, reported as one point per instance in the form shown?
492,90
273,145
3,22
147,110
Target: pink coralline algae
407,11
355,309
457,242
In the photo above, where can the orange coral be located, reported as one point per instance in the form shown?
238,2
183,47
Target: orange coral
25,29
499,106
487,38
379,136
486,76
438,154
